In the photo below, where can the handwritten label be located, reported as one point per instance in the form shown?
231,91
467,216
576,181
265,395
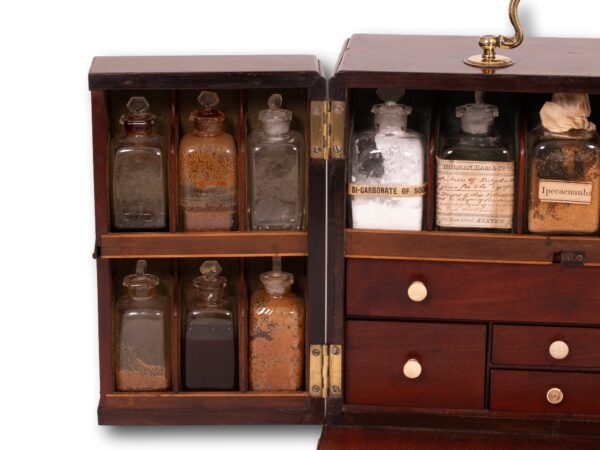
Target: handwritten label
475,194
556,191
387,190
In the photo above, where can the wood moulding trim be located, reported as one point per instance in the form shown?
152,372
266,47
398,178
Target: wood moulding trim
467,247
180,245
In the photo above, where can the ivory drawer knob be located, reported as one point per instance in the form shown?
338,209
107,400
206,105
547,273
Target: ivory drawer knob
554,396
417,291
412,369
559,350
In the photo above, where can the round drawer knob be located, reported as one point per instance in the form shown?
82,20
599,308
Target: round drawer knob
559,350
554,396
412,369
417,291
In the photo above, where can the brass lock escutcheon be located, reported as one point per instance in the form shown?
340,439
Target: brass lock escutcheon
489,59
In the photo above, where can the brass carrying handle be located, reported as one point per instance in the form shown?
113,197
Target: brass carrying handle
489,43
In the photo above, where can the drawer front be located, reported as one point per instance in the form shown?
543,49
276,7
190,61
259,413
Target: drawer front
545,392
383,361
494,292
546,346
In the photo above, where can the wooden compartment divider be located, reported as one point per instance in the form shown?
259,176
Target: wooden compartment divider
434,132
243,316
521,159
176,318
173,178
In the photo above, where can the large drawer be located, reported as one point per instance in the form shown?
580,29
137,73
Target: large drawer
415,364
490,292
545,392
546,346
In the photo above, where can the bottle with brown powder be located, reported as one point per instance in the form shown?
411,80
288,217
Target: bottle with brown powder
565,169
276,334
207,171
142,335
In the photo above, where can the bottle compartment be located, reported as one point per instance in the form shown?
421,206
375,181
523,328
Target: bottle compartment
177,285
434,118
172,109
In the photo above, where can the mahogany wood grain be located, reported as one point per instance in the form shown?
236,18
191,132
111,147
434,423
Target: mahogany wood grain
529,346
105,331
436,62
521,159
466,291
101,136
203,244
452,358
525,391
361,438
429,222
212,71
473,247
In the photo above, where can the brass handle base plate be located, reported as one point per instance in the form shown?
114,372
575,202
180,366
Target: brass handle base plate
498,62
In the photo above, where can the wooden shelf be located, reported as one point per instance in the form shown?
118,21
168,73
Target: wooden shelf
181,245
467,247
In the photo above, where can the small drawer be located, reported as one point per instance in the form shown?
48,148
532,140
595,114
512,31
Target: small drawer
546,346
471,291
545,392
415,364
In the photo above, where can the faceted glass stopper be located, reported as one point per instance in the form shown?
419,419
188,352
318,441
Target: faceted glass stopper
275,113
210,269
392,96
137,105
274,102
208,99
478,117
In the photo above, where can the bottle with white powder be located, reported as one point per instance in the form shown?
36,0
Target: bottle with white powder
388,170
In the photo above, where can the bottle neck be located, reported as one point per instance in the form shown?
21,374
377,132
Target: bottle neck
391,123
208,127
278,291
142,293
138,130
210,297
575,135
276,128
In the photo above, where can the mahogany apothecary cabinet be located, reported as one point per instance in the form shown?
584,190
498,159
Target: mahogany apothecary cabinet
493,303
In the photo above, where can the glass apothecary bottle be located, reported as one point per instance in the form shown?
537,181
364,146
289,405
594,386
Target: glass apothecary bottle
475,174
142,336
210,334
276,357
565,168
388,169
276,167
207,171
139,187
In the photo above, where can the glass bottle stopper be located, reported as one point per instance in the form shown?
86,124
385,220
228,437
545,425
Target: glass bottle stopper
390,105
208,99
210,269
138,111
210,279
276,282
275,120
141,283
478,117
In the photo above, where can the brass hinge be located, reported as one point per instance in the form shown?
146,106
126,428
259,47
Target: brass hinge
327,129
325,371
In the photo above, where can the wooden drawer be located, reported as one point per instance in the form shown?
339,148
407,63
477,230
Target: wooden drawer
527,391
495,292
546,346
451,357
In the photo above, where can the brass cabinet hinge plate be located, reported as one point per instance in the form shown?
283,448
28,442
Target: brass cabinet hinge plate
327,129
325,378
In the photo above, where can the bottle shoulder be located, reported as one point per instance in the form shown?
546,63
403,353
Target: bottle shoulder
259,139
155,306
151,145
191,142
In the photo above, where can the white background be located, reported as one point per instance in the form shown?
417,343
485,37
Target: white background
49,376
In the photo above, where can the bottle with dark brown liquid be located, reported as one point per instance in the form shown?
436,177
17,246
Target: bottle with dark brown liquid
210,337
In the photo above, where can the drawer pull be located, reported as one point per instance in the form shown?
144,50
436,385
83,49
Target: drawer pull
559,350
417,291
554,396
412,369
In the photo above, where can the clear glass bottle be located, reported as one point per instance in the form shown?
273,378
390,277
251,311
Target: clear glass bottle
210,334
207,171
142,336
475,174
565,169
139,186
276,167
388,170
276,358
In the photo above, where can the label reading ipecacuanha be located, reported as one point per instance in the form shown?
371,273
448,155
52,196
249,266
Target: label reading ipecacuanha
475,194
386,190
557,191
